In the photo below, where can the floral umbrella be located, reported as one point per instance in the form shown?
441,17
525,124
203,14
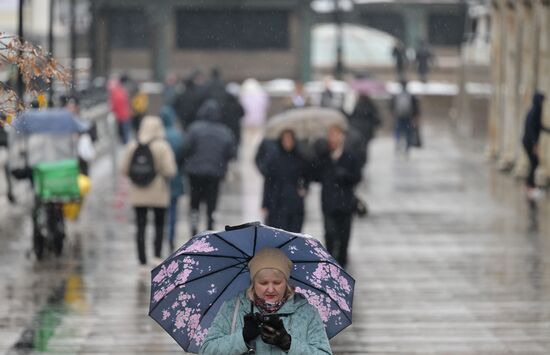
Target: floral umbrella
189,287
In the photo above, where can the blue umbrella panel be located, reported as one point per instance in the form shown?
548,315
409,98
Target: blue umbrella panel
190,286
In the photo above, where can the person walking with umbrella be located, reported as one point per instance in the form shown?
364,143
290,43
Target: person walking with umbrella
222,276
268,317
338,170
285,184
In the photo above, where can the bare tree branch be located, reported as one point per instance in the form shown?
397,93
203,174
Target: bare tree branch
37,68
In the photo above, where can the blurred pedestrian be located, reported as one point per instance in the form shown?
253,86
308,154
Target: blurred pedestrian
4,145
255,102
424,59
405,109
170,89
175,138
120,107
189,99
85,148
215,87
285,184
339,171
208,148
140,105
327,96
531,134
366,120
299,97
400,58
233,111
149,163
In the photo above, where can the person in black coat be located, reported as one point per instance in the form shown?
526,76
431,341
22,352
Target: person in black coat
339,171
188,102
531,134
209,147
233,112
284,170
365,119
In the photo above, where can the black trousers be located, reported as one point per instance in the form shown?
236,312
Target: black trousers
141,222
337,234
533,164
291,222
204,189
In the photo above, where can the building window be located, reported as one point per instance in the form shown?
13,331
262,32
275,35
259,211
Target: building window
232,29
127,29
391,23
446,29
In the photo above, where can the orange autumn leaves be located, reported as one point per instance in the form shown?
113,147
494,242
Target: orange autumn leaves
38,68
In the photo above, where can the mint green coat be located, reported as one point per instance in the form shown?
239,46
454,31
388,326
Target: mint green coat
302,322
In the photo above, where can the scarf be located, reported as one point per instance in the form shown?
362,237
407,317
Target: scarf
269,307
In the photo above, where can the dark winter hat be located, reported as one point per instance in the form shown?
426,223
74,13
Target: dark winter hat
210,110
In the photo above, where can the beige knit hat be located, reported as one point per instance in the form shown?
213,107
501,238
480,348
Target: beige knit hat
270,258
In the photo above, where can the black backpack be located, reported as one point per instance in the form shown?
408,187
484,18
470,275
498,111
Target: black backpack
142,166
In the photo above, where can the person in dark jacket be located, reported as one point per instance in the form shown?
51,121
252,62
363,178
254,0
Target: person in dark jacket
208,148
285,184
406,112
365,119
338,170
215,87
190,99
531,134
233,111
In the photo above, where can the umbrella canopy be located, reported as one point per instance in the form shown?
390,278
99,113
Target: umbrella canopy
50,121
368,87
362,46
189,287
308,122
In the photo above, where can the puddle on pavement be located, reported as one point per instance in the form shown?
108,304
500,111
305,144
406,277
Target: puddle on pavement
66,298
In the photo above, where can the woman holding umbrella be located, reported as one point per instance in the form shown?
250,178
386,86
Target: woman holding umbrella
279,320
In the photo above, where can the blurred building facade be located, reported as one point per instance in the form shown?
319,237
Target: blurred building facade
471,105
520,63
267,38
260,38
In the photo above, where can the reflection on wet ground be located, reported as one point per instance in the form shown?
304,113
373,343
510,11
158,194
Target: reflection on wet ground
451,260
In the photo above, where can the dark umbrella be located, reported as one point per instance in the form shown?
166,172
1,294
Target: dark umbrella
189,287
51,121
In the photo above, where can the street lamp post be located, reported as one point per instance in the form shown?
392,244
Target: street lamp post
339,66
73,45
20,89
51,44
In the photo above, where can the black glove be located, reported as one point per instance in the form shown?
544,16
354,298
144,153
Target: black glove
273,332
251,328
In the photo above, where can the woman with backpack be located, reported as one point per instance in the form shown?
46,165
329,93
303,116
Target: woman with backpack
149,163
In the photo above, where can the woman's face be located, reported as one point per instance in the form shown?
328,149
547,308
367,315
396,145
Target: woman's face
287,141
270,285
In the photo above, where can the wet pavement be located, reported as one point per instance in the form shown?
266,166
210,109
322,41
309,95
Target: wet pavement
450,261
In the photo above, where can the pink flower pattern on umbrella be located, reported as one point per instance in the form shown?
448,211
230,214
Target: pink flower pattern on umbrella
201,245
191,285
321,302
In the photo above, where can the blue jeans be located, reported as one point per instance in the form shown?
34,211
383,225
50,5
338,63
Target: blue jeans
124,131
403,129
172,220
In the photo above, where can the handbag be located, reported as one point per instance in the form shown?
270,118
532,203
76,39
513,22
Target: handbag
415,140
